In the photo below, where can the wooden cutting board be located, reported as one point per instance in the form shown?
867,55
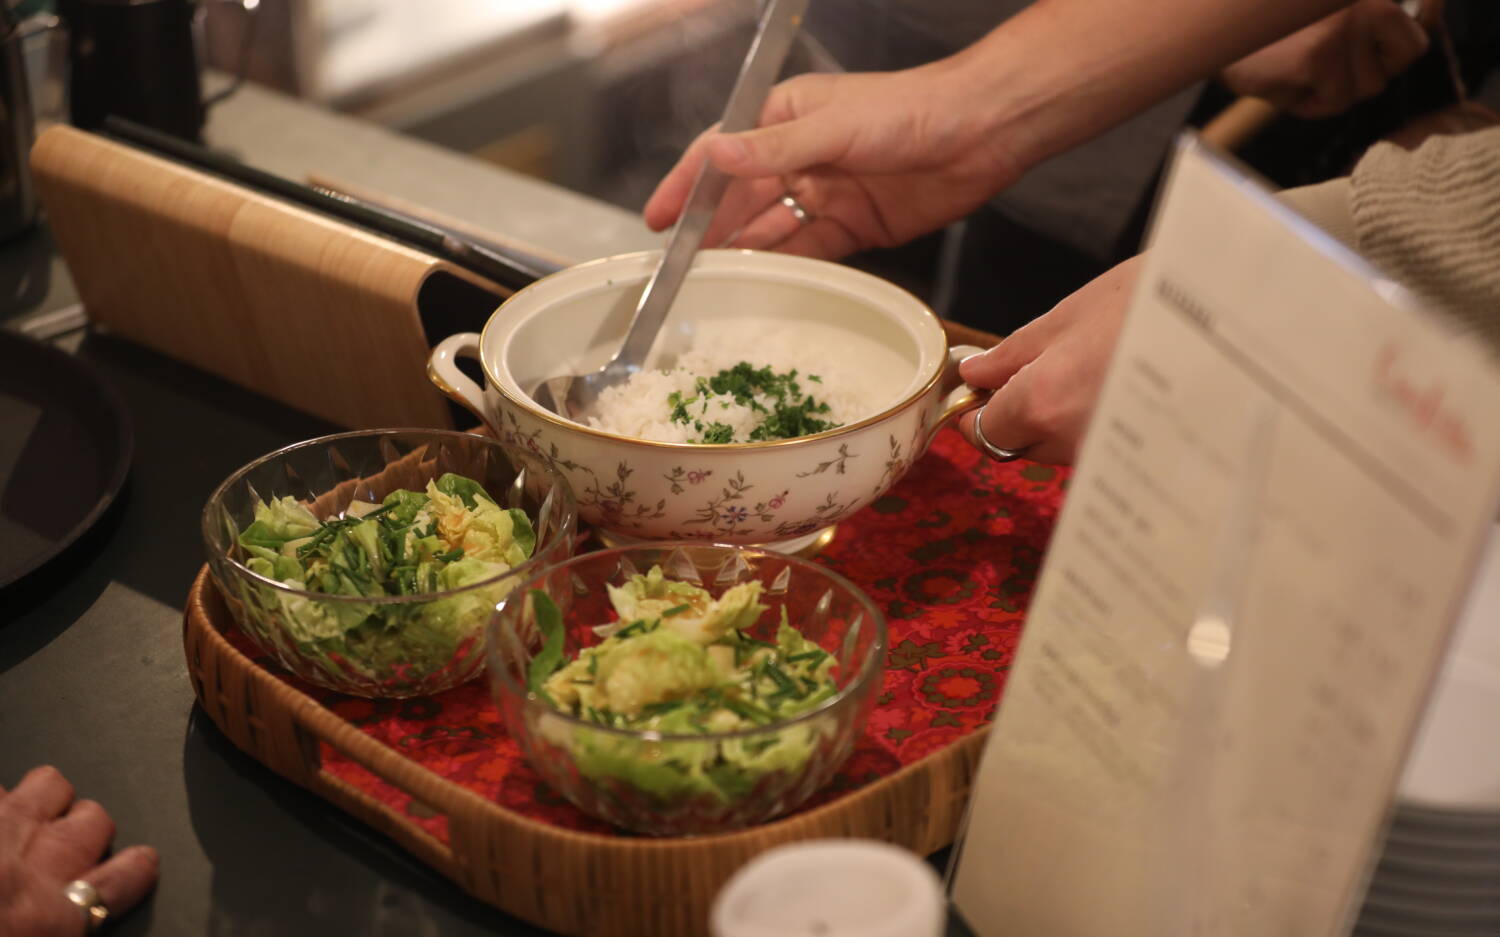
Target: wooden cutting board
302,308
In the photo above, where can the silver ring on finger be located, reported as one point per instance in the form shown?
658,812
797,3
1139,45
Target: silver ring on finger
85,897
998,453
803,216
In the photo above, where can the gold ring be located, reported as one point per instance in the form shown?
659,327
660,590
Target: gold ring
86,898
998,453
803,216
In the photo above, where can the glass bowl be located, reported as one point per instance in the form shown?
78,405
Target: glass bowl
665,784
391,645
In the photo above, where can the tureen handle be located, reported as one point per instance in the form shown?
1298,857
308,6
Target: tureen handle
442,370
958,398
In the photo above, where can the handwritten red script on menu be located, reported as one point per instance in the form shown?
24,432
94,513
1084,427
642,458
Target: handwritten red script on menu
950,554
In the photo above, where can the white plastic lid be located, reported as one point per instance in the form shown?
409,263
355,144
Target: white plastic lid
832,888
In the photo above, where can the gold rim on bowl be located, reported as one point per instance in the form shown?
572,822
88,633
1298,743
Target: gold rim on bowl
925,315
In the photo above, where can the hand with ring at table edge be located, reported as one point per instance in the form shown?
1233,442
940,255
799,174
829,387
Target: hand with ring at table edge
1047,374
877,159
49,840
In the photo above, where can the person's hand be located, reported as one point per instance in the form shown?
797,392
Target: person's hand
1340,60
47,840
875,159
1048,372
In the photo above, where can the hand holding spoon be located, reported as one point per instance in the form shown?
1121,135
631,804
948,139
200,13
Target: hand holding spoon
571,396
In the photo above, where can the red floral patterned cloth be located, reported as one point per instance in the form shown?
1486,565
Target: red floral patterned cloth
950,554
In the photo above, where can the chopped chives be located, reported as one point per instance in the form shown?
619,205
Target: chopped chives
635,627
778,696
779,677
817,655
747,710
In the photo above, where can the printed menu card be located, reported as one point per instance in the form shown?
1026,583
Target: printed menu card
1273,523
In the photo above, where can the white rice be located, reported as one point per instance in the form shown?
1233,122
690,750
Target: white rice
640,406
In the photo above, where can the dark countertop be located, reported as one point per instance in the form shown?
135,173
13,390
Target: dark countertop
93,678
92,673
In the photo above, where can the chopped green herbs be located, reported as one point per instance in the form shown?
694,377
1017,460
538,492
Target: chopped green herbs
717,433
817,654
785,412
634,628
779,677
754,642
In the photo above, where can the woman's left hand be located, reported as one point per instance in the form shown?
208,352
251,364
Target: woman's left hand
1047,374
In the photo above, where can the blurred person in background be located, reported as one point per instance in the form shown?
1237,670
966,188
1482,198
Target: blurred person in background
1048,132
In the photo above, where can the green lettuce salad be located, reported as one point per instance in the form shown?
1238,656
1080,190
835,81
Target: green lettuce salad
447,537
679,662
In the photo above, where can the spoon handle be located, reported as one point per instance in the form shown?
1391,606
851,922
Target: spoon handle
773,38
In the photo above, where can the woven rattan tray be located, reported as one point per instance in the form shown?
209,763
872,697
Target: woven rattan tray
566,881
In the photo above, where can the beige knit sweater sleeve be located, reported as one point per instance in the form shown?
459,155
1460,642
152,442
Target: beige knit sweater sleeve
1325,205
1430,218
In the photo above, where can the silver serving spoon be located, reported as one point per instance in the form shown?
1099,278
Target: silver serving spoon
571,396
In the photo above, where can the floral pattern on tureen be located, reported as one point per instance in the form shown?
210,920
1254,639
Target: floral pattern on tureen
731,494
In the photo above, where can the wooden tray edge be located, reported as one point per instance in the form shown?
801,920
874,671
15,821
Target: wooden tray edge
572,882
